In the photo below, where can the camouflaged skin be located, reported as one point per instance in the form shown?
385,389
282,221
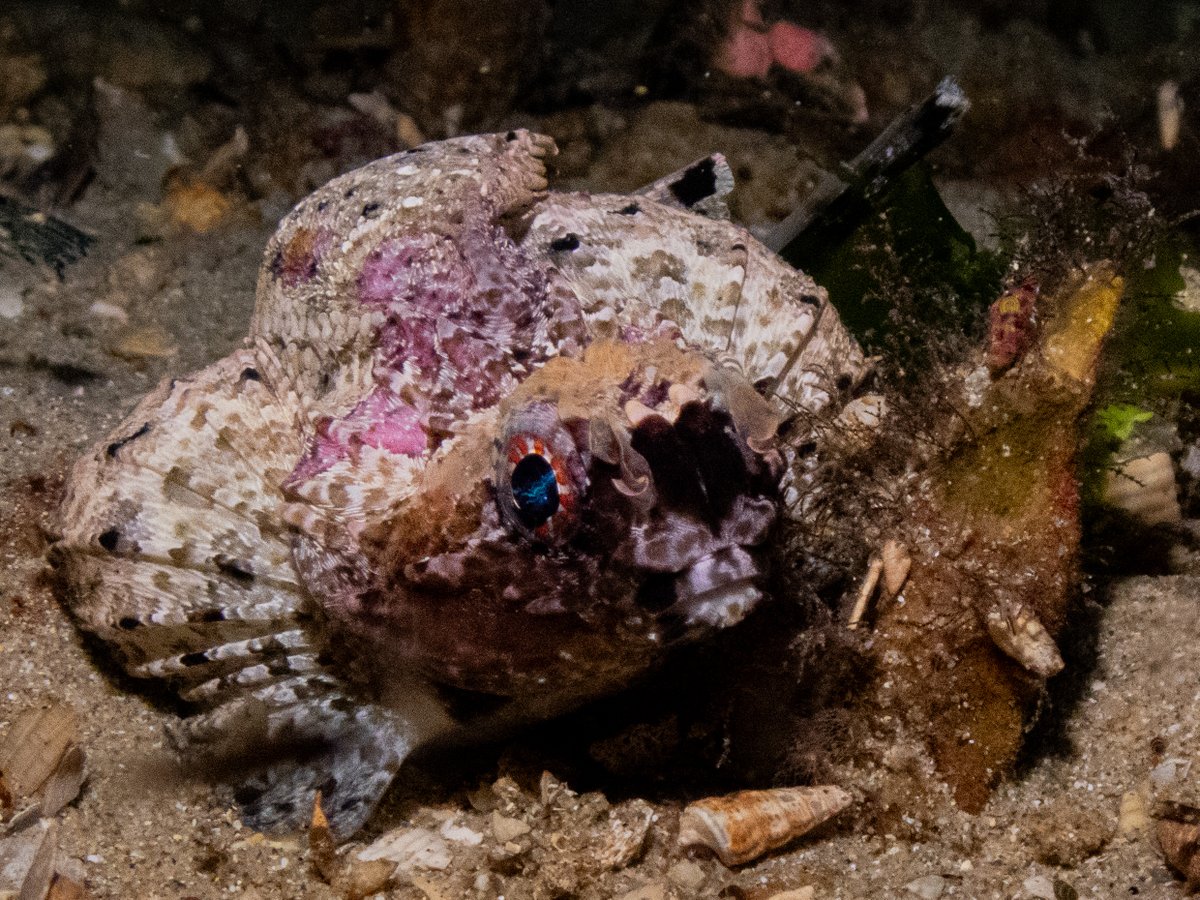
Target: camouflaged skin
320,541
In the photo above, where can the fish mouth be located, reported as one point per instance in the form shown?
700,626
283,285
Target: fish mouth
718,590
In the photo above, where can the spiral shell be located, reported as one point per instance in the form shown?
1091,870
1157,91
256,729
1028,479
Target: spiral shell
743,826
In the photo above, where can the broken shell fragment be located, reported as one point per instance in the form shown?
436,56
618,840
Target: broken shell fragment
1021,636
897,563
1169,104
65,783
35,744
1180,843
743,826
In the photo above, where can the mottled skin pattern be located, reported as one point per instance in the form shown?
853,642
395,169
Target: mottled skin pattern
487,452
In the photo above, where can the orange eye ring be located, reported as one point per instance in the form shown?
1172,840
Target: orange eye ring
543,494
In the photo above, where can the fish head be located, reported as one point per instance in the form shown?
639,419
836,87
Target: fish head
615,503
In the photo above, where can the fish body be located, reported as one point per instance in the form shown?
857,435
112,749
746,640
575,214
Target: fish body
488,452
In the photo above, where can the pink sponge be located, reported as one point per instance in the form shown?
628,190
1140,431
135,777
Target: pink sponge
799,49
751,48
746,53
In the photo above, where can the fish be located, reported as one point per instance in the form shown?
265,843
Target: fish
488,452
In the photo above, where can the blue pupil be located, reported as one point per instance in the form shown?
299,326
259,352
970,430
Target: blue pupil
534,490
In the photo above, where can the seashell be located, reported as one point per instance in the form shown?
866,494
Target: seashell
743,826
1021,636
1169,105
1180,843
64,888
870,582
65,782
321,845
896,565
27,861
35,744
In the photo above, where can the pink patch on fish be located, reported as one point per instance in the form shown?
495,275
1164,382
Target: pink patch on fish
424,271
381,420
390,424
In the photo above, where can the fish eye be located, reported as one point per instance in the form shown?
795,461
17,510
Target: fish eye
537,491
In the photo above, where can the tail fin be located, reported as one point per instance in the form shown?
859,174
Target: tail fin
172,552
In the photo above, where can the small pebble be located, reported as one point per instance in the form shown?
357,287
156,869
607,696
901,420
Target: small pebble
808,892
1039,886
927,887
687,875
506,828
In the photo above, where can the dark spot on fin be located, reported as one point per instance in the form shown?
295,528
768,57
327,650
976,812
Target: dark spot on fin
569,241
108,539
111,450
236,569
696,183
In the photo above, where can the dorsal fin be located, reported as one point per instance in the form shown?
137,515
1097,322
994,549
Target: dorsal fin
700,186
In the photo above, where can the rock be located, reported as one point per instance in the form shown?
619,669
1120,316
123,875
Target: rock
808,892
506,828
687,876
927,887
366,877
653,891
12,304
1039,886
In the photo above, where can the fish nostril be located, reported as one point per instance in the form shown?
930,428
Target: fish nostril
657,592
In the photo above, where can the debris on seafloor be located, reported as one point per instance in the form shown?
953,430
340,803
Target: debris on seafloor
1180,843
1144,488
42,769
741,827
37,237
41,763
556,842
1169,104
200,199
992,527
150,342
